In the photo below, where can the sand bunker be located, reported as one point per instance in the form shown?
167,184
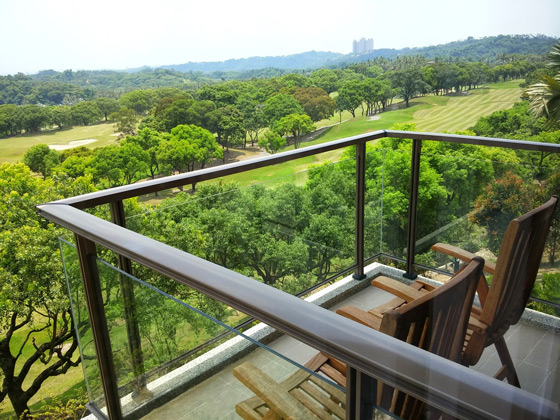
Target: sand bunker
71,145
374,117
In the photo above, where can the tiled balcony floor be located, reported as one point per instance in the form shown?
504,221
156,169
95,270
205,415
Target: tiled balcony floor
536,354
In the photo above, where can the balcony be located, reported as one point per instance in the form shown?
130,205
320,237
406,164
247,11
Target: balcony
132,370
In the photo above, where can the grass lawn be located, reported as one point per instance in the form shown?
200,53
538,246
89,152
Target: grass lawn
12,149
453,113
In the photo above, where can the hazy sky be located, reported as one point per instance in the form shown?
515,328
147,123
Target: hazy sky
116,34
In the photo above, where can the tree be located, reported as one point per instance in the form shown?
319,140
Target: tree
221,95
272,142
350,96
372,92
85,113
295,124
42,159
61,116
545,94
184,111
253,117
325,79
409,81
502,201
107,106
139,100
119,164
279,106
10,120
149,140
316,102
188,147
227,123
34,117
126,119
38,335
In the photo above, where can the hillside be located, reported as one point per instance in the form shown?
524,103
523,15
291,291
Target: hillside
311,59
483,49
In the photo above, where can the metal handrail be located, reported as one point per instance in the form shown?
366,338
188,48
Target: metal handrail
378,355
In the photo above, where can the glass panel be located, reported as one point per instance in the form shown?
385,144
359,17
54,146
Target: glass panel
387,185
291,232
373,211
82,322
468,199
162,366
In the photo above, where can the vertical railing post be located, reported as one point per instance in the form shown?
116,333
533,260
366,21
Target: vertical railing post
412,208
361,395
360,205
100,331
129,303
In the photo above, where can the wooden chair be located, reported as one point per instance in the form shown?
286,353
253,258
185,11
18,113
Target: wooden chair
502,303
437,322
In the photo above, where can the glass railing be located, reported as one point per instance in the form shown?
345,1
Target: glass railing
471,206
149,372
292,232
161,330
82,323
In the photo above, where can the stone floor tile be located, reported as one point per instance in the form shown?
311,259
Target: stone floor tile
545,354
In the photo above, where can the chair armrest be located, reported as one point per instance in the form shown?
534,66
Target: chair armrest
477,325
397,288
363,317
463,255
279,400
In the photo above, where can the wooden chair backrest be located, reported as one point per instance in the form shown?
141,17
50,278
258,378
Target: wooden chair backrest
516,269
436,322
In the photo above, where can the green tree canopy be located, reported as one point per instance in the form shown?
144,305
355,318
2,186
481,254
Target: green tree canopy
295,124
409,81
272,141
279,106
141,100
107,106
350,96
42,159
316,102
85,113
188,147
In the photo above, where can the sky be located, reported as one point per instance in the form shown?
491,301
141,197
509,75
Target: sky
118,34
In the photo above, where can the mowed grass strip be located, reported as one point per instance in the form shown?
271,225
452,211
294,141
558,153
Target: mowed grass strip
12,149
463,111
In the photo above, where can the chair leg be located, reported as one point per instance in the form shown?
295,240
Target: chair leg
507,370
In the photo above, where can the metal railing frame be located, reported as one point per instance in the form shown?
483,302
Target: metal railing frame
393,362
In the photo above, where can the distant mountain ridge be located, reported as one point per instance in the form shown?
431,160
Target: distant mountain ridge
306,60
482,49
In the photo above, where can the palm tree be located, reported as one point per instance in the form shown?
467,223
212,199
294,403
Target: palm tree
545,94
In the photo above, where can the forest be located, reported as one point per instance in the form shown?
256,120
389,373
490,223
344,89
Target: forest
289,235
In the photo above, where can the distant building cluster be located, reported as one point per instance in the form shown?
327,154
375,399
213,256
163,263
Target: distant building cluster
362,46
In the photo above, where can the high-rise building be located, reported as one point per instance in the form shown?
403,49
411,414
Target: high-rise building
362,46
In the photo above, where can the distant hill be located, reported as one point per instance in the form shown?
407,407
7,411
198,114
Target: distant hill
483,49
307,60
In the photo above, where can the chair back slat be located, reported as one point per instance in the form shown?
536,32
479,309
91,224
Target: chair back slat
436,322
516,269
